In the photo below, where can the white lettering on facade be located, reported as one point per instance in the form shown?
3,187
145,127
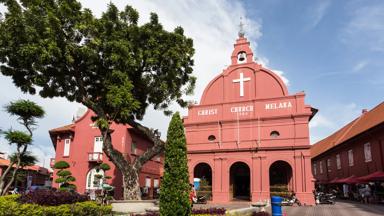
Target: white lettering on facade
280,105
206,112
240,109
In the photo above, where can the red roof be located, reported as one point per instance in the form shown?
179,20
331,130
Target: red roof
42,170
361,124
66,128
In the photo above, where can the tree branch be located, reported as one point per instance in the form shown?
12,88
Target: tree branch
152,135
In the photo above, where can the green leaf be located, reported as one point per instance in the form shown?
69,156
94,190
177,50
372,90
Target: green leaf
17,137
61,165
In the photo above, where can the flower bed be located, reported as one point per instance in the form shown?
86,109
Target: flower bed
10,206
52,198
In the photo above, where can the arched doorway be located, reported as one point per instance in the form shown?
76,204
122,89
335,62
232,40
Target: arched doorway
92,182
280,179
203,173
239,181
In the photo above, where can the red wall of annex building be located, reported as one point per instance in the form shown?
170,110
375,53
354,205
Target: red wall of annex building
368,129
82,158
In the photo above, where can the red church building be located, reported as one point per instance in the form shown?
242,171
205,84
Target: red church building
80,145
249,136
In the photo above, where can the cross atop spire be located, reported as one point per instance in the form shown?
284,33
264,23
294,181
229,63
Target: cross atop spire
241,30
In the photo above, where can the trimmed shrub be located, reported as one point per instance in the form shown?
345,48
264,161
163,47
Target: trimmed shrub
105,167
175,189
61,165
10,207
52,198
65,176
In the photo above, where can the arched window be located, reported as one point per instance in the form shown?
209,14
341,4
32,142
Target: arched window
92,181
275,134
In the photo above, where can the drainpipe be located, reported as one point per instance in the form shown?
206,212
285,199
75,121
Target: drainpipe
381,155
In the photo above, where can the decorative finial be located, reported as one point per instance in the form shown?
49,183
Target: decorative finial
241,30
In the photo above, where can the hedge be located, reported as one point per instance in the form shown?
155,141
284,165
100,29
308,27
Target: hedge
10,207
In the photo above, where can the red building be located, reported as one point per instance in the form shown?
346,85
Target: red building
356,150
30,175
248,135
80,145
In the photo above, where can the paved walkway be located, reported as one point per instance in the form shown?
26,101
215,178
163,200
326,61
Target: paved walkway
341,208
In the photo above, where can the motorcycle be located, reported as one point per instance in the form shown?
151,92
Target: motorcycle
325,198
200,200
291,201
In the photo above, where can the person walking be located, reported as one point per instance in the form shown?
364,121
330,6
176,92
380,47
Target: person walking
192,194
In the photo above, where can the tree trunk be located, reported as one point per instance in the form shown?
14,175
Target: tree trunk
18,155
131,185
5,191
129,169
2,178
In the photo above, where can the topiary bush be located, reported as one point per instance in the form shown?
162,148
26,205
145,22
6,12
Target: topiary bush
175,189
51,198
61,165
64,176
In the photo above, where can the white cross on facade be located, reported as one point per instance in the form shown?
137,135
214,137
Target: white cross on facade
241,81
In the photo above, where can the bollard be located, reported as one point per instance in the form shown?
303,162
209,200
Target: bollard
276,206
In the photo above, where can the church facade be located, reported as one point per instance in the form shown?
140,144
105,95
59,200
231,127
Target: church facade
248,138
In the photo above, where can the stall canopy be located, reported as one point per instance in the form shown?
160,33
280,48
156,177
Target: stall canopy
349,180
376,176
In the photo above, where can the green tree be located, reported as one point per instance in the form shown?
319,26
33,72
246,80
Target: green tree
110,64
65,178
27,159
27,112
175,189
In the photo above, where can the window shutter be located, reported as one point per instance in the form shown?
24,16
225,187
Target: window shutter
67,144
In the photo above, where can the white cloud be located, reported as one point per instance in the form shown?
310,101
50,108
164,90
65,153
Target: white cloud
59,112
366,27
281,75
360,65
317,12
331,118
321,121
213,26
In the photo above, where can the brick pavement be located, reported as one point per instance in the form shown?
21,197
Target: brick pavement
341,208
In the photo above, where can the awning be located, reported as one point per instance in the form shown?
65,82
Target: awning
376,176
349,180
333,181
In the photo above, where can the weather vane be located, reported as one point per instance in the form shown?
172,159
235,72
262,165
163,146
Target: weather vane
241,30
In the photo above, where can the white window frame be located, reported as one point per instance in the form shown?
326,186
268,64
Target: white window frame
367,152
97,148
148,182
321,167
67,147
338,161
98,144
329,164
350,157
156,183
315,169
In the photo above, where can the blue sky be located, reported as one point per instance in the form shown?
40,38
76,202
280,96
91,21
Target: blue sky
332,50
